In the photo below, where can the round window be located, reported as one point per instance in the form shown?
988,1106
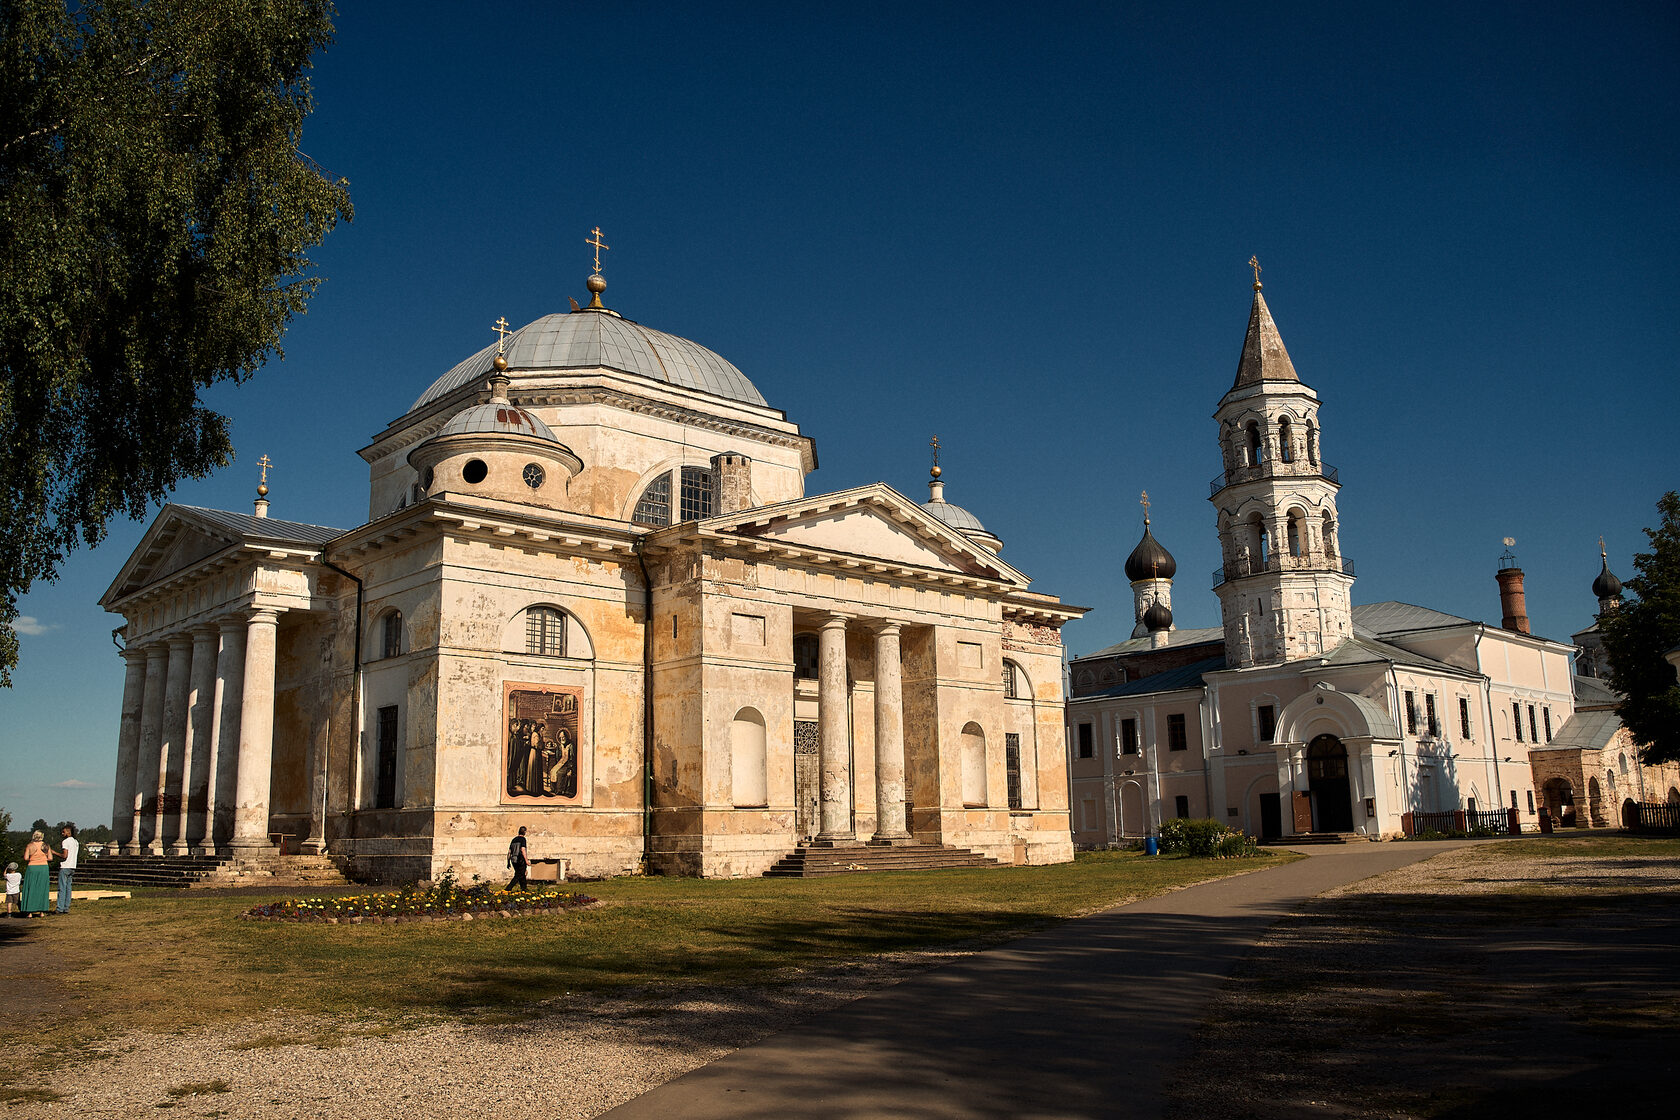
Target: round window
474,471
534,476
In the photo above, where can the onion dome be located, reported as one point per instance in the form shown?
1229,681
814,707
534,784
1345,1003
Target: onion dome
1157,617
1606,586
1149,560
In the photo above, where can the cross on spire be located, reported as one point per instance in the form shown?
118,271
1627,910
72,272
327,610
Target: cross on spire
1603,555
934,443
599,245
265,462
1254,263
502,331
1144,502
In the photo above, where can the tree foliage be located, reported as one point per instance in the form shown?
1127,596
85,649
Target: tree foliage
1639,632
156,212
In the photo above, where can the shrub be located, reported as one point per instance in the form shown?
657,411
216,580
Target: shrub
1203,838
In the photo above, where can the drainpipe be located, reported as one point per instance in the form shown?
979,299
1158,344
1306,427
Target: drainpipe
647,708
355,709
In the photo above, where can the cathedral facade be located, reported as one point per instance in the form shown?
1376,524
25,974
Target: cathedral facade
1302,712
593,599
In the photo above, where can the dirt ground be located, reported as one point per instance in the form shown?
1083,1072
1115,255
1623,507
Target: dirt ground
1473,985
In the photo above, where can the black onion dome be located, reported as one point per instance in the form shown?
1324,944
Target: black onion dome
1607,586
1149,560
1157,617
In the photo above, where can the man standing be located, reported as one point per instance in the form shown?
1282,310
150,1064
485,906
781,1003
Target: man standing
516,860
67,867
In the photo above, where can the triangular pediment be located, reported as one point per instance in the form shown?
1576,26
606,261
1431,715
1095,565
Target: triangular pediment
875,525
175,541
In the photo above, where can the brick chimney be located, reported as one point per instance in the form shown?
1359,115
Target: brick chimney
1513,604
734,475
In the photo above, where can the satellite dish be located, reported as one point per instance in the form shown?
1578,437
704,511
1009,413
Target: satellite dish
1509,541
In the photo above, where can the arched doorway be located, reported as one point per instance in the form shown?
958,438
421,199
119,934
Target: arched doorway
1327,778
1559,796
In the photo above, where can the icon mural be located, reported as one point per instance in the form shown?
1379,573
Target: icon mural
542,742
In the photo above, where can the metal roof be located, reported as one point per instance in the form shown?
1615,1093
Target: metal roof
1590,731
955,516
1592,691
1392,617
603,340
265,528
496,417
1168,680
1366,648
1187,637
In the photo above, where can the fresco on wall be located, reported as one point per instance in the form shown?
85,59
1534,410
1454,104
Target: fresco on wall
541,741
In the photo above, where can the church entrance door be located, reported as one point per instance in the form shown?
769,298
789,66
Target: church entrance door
1327,777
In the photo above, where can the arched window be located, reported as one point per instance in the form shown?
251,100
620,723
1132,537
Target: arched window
695,489
390,634
1257,535
748,777
1312,443
973,765
1328,531
1297,529
1015,686
1286,446
1256,445
545,631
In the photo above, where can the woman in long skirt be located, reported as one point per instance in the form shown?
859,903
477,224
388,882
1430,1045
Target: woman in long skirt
34,899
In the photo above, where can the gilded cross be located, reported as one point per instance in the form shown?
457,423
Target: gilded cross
599,245
502,331
265,462
1254,263
1605,556
934,443
1144,502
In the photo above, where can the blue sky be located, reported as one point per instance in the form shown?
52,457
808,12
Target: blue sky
1024,230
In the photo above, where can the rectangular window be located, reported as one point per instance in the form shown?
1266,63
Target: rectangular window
1531,801
1181,805
1411,713
1085,748
1268,722
1533,728
385,736
1516,719
695,498
1128,736
1513,799
1547,712
391,646
1464,720
1431,717
1009,680
1176,739
1012,761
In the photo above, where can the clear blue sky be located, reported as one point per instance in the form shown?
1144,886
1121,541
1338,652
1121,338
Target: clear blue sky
1023,228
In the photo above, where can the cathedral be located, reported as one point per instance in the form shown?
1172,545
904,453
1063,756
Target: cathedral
591,599
1303,713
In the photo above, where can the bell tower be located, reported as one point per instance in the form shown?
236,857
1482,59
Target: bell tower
1283,588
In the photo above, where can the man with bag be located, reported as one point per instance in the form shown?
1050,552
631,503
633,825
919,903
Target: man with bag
517,861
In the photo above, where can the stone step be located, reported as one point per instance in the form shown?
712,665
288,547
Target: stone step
213,871
812,860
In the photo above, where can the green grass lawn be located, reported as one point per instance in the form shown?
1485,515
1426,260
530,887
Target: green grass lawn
118,963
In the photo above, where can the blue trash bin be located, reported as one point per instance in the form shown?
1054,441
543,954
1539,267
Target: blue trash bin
1151,846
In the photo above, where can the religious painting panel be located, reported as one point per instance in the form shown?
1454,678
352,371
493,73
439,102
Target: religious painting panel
540,742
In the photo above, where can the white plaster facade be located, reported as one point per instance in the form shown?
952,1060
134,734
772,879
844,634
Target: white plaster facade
522,634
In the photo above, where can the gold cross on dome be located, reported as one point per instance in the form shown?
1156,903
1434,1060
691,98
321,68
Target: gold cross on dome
1144,502
1602,554
934,443
599,245
502,331
265,462
1254,263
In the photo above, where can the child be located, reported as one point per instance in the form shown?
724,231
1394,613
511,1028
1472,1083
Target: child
14,889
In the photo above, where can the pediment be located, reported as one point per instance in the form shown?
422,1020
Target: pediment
173,543
873,524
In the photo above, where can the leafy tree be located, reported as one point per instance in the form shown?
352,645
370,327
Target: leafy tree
155,211
41,826
9,848
1639,632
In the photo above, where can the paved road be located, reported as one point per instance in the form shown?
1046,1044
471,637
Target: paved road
1085,1020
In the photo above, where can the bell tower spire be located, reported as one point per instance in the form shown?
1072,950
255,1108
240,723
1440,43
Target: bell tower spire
1284,585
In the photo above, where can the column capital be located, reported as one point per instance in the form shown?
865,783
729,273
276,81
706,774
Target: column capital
886,628
132,653
256,615
205,630
231,624
179,638
834,620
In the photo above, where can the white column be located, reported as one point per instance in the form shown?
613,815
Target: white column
256,734
147,779
889,736
172,818
128,749
224,736
834,731
195,770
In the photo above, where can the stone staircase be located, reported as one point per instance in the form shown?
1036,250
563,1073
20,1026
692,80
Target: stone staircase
811,860
1314,838
265,869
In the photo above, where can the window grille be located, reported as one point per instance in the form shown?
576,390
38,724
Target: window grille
1516,719
1533,728
1012,760
1176,737
545,631
655,506
1464,721
1431,719
1411,714
1547,712
385,736
1009,680
698,487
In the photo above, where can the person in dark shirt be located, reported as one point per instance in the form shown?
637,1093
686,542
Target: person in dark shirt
517,861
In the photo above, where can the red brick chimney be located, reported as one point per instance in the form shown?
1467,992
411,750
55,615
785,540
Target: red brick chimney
1513,604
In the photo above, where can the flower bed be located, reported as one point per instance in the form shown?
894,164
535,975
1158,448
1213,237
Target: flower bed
444,902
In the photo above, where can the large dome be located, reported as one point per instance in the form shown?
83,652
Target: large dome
600,339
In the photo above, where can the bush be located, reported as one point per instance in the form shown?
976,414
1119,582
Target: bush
1204,838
